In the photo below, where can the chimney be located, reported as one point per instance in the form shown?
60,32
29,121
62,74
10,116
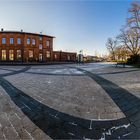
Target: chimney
21,30
2,29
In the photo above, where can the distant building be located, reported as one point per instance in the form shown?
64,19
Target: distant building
90,58
19,46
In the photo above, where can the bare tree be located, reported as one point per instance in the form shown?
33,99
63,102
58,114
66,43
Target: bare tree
130,35
134,19
121,53
111,45
130,39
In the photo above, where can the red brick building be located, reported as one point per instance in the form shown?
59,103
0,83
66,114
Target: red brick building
29,47
64,56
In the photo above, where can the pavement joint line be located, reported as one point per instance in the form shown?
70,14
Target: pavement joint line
27,106
17,116
29,134
12,126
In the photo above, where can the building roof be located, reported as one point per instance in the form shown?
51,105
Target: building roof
22,32
65,52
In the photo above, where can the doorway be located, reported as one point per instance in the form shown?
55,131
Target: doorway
40,57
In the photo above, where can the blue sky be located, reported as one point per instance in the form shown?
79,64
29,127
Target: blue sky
76,24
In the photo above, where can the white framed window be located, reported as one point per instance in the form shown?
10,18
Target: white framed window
68,57
3,40
31,54
18,54
47,43
55,56
40,38
28,41
33,41
40,57
11,55
11,40
3,54
18,40
48,54
40,46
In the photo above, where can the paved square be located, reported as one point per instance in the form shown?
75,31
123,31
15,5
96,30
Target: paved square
94,101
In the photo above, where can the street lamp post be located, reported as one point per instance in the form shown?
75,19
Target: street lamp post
80,56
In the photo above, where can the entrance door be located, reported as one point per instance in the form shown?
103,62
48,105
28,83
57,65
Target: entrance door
40,57
11,55
3,55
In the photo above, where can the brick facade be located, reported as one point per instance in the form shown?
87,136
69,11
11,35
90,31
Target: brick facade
30,47
60,56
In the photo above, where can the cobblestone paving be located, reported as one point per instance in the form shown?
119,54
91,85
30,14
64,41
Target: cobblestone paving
82,99
4,71
14,124
94,101
59,71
